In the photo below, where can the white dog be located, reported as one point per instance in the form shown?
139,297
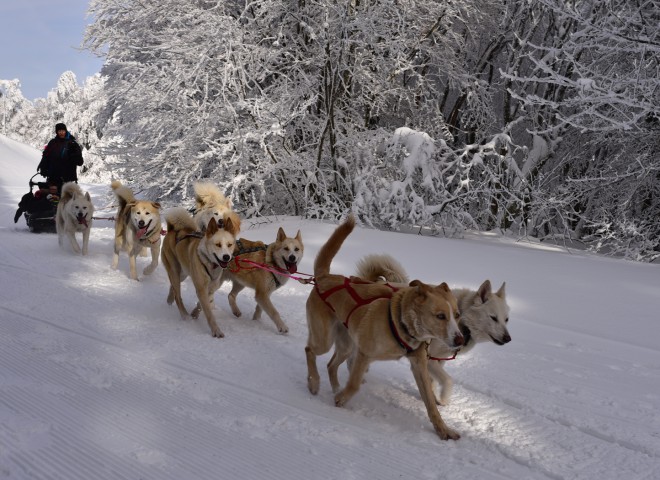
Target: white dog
484,316
74,214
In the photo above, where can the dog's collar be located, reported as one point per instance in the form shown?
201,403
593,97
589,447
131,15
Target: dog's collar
395,332
151,235
147,237
467,336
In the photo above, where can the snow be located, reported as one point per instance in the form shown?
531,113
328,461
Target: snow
100,378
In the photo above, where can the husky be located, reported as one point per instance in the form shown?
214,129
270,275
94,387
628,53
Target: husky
137,227
484,316
74,214
372,321
211,203
263,268
202,256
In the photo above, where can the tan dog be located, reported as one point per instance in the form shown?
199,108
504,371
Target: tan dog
484,316
210,202
372,322
283,256
200,256
137,227
74,214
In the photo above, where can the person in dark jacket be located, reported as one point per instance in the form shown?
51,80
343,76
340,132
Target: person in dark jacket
61,158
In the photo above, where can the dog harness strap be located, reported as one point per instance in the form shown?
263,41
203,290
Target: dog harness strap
395,332
213,264
242,250
190,235
359,301
277,282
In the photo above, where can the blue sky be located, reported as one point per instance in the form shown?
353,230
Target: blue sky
39,41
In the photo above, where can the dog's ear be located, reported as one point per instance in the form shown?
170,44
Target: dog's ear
229,226
443,287
299,236
421,291
156,205
421,286
88,197
281,235
501,293
211,228
484,291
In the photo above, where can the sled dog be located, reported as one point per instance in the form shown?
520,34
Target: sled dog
137,226
202,256
484,316
74,214
210,202
283,255
372,321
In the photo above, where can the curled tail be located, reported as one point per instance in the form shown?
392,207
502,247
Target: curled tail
381,267
332,246
207,193
178,219
123,194
69,190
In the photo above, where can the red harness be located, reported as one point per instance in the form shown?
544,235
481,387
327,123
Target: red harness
359,301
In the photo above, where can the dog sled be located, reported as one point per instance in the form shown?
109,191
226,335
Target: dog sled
39,207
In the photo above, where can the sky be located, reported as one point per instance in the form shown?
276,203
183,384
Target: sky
100,378
40,40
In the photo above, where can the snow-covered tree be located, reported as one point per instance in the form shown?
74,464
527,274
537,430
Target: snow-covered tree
538,118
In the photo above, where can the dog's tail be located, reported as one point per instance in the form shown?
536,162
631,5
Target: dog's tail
381,267
69,189
178,219
207,193
332,246
123,194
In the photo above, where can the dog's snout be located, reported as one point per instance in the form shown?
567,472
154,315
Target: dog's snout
292,258
141,223
506,338
458,340
226,257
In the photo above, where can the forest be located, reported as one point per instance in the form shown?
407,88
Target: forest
536,119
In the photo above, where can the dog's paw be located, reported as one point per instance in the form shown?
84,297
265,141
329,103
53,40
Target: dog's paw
149,269
283,330
340,399
313,384
236,311
447,433
217,333
443,402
